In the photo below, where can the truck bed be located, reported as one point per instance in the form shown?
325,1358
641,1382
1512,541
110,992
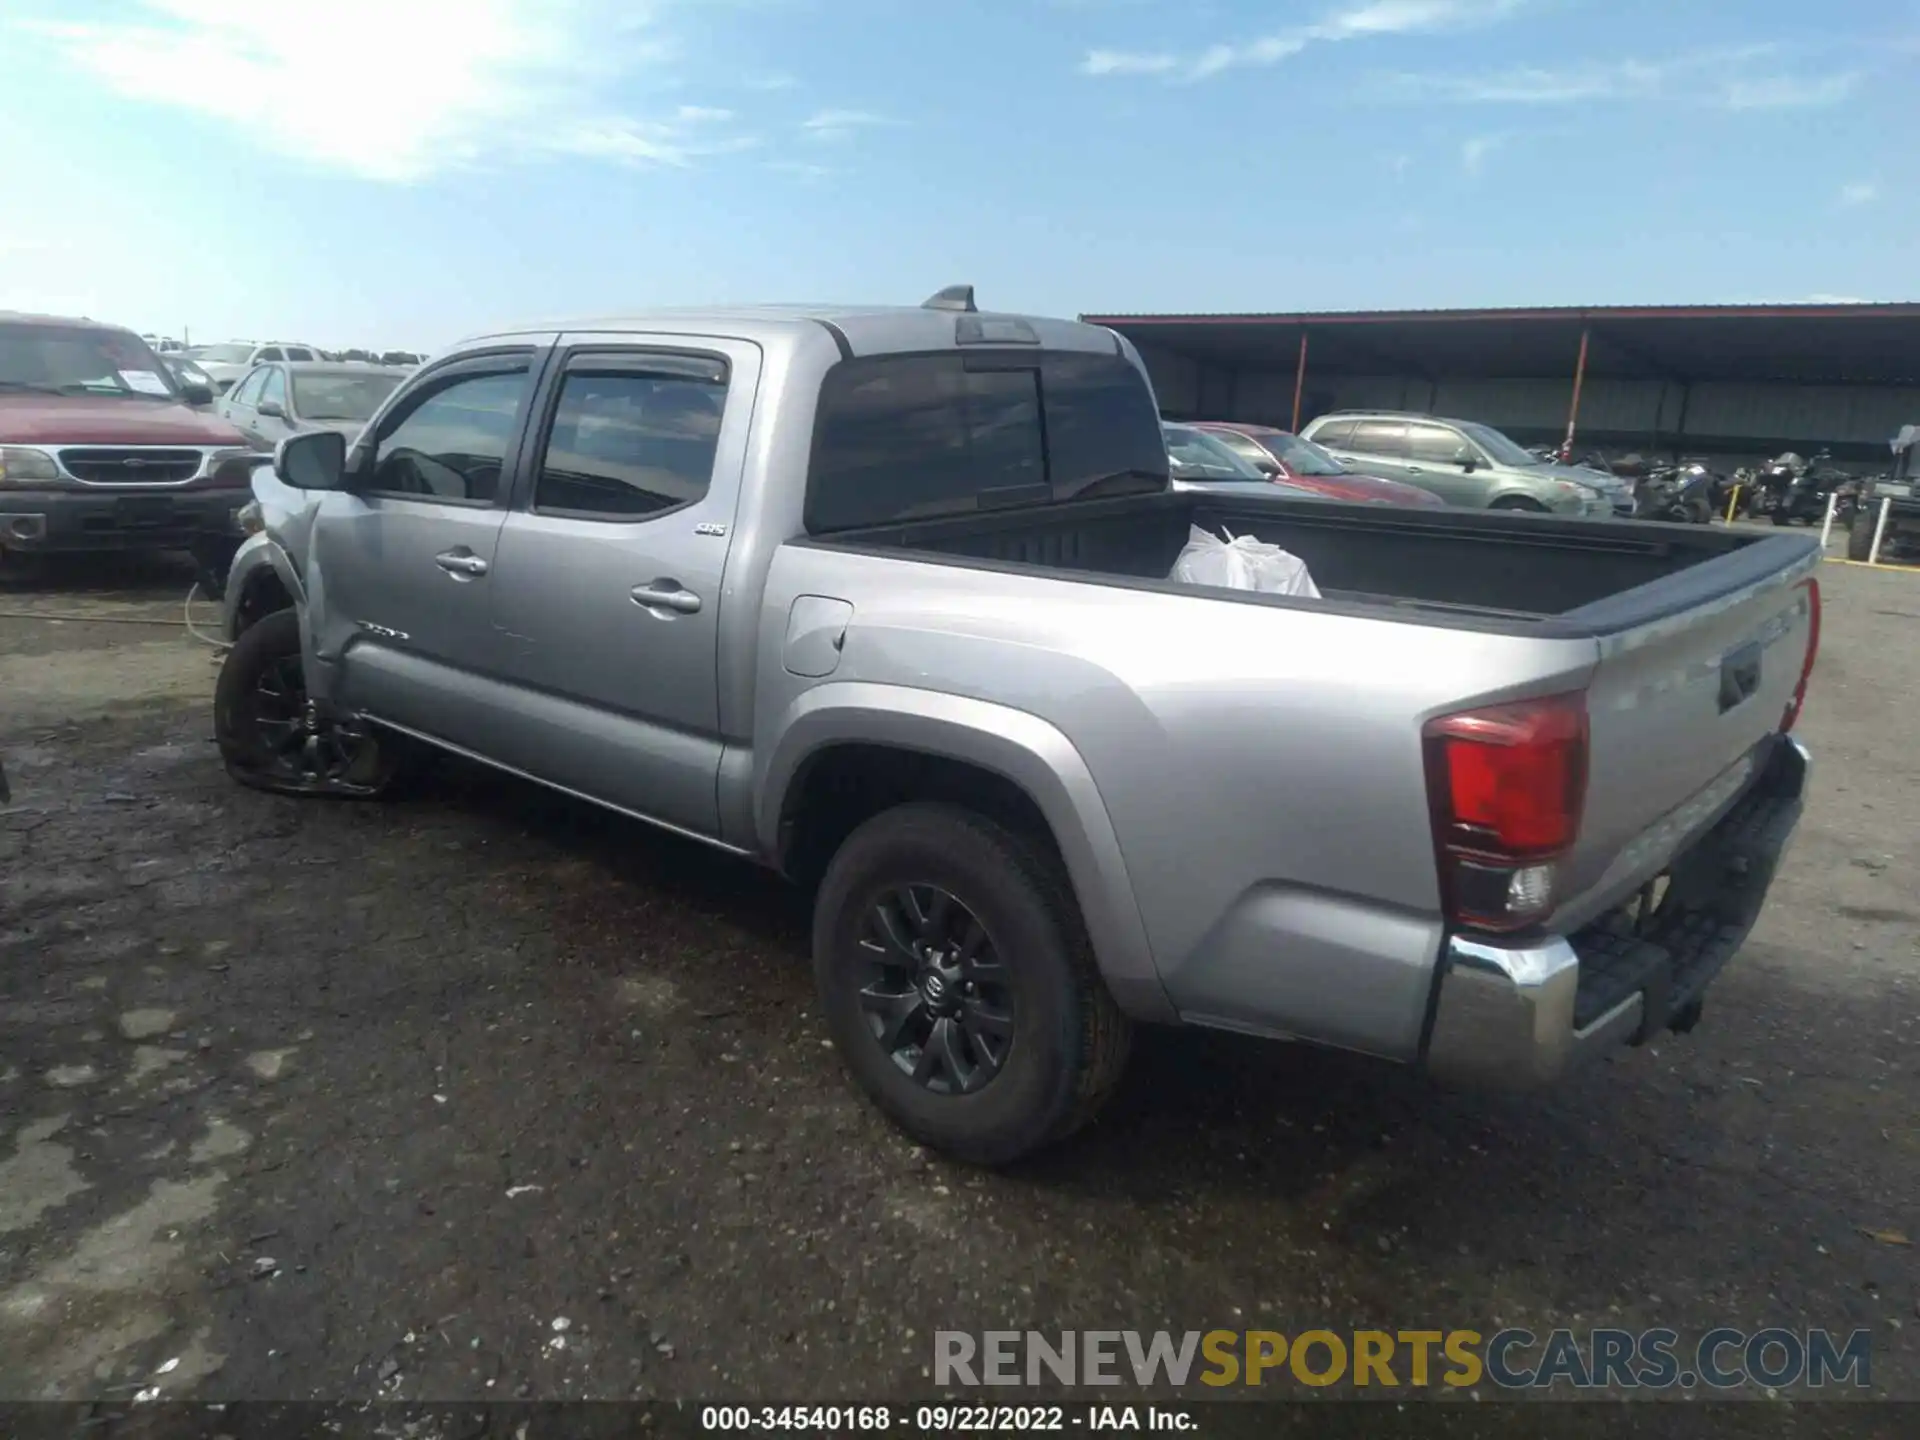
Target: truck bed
1487,569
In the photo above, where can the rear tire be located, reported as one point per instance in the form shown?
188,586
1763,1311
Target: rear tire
266,731
1860,534
1032,1043
1518,502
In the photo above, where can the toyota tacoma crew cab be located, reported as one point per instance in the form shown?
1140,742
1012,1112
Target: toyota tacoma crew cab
881,598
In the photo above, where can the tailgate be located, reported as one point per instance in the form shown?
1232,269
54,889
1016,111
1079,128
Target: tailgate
1679,706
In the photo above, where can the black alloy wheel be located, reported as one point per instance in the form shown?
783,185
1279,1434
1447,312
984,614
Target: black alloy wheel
274,737
301,746
959,985
937,996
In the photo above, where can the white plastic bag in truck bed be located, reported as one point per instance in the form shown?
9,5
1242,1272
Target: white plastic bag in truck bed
1242,563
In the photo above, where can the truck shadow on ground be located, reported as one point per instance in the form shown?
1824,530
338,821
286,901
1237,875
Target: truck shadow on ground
1654,1179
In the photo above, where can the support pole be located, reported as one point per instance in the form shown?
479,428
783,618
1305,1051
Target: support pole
1880,529
1579,379
1733,503
1299,381
1826,525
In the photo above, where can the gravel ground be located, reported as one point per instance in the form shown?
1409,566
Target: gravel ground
487,1095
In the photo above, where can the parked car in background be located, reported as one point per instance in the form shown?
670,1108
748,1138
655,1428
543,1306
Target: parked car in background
881,598
1465,463
228,362
190,375
101,450
283,398
1194,456
1305,465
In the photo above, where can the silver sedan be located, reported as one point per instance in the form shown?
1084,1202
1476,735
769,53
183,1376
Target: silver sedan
285,398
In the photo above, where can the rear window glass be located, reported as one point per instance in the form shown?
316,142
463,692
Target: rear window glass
901,437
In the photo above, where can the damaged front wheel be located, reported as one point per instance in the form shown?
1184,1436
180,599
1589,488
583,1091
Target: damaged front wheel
273,737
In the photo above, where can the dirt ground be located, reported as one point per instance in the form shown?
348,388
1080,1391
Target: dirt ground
486,1095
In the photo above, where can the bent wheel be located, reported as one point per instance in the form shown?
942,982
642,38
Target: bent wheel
270,735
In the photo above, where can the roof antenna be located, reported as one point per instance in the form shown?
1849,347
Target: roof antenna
954,297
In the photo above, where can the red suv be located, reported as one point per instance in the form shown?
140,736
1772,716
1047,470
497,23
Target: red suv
101,450
1285,456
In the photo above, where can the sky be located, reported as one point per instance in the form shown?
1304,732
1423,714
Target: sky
400,173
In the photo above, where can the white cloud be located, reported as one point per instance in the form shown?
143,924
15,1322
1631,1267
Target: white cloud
1787,92
1366,20
1860,192
1474,152
1722,77
840,124
398,90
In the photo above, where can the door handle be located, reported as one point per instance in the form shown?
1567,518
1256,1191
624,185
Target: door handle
665,595
456,563
1415,470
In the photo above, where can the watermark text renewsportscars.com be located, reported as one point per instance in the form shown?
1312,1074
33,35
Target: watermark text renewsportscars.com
1510,1359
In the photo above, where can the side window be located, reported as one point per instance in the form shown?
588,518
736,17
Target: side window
628,442
919,435
1435,445
1379,437
297,352
275,386
451,443
247,392
1245,446
1335,434
271,352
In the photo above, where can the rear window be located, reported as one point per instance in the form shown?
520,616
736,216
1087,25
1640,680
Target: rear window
901,437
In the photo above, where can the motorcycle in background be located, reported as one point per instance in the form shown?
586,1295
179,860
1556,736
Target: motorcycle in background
1790,490
1681,493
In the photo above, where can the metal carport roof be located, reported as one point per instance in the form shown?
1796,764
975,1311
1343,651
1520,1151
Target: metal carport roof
1797,344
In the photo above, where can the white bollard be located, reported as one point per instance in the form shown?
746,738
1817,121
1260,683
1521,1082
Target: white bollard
1880,529
1826,526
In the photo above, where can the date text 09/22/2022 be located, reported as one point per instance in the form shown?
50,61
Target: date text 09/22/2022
943,1419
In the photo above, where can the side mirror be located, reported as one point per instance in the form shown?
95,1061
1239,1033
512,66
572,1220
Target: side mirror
195,393
272,408
316,460
1269,467
1467,461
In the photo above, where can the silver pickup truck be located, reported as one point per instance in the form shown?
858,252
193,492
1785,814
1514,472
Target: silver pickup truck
880,598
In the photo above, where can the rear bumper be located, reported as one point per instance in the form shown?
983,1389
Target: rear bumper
63,521
1518,1016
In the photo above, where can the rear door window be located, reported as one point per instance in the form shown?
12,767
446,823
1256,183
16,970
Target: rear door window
299,352
902,437
1379,437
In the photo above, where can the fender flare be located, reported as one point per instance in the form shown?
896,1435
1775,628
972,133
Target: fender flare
1022,748
248,563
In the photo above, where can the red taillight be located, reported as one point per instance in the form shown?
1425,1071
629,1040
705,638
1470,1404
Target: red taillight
1506,784
1799,700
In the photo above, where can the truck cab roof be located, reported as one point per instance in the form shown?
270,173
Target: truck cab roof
858,330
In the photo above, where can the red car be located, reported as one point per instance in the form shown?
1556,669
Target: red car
1286,457
102,449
